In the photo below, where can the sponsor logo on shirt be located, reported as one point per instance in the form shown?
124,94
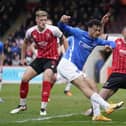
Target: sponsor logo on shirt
84,45
42,44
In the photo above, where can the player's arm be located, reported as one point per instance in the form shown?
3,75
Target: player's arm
62,24
23,51
64,42
33,48
27,39
104,21
62,39
106,43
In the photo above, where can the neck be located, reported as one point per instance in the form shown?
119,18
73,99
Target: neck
40,28
90,35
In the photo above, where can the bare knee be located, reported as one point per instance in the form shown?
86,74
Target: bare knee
25,79
49,75
29,74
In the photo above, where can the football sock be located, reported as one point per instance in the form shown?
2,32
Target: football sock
96,108
45,93
68,87
98,99
24,88
22,101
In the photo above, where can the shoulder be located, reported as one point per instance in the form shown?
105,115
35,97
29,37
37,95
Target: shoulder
54,30
81,30
119,41
52,27
31,29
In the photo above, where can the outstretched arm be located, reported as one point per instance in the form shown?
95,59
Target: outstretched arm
106,43
62,24
104,20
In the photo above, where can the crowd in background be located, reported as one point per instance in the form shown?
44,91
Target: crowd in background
81,12
9,11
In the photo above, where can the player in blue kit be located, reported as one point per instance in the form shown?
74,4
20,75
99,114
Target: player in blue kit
1,65
70,66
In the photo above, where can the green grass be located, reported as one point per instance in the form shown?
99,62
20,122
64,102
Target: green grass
59,106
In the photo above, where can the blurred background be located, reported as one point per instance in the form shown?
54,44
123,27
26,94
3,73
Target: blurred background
16,16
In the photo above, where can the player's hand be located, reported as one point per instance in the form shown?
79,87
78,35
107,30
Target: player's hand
65,18
105,18
108,48
23,62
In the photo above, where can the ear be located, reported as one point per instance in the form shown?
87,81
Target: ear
36,19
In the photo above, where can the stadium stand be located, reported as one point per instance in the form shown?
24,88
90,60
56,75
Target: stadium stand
9,9
81,12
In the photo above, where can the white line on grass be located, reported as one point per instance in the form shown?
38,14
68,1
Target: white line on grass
47,118
66,115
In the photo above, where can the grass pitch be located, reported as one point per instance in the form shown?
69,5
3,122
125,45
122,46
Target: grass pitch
62,110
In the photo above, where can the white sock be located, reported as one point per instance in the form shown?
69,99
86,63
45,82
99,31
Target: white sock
43,105
68,87
96,108
22,101
98,99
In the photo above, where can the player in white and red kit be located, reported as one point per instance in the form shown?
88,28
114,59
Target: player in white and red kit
45,37
117,78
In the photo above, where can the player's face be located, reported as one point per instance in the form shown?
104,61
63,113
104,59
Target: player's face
41,21
94,31
124,33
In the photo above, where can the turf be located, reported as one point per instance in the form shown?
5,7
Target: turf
62,110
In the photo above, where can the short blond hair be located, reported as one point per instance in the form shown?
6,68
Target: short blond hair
41,13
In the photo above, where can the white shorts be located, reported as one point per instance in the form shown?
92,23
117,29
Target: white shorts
68,70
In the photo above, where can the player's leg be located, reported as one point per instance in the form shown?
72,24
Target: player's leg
31,71
46,89
95,98
105,94
67,89
24,88
70,72
83,85
110,87
49,79
115,81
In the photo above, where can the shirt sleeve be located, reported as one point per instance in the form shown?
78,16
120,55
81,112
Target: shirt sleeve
69,29
102,42
28,35
1,47
57,32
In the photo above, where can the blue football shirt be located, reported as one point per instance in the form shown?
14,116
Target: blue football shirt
81,44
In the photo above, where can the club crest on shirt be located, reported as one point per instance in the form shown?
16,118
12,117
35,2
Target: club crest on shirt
48,35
